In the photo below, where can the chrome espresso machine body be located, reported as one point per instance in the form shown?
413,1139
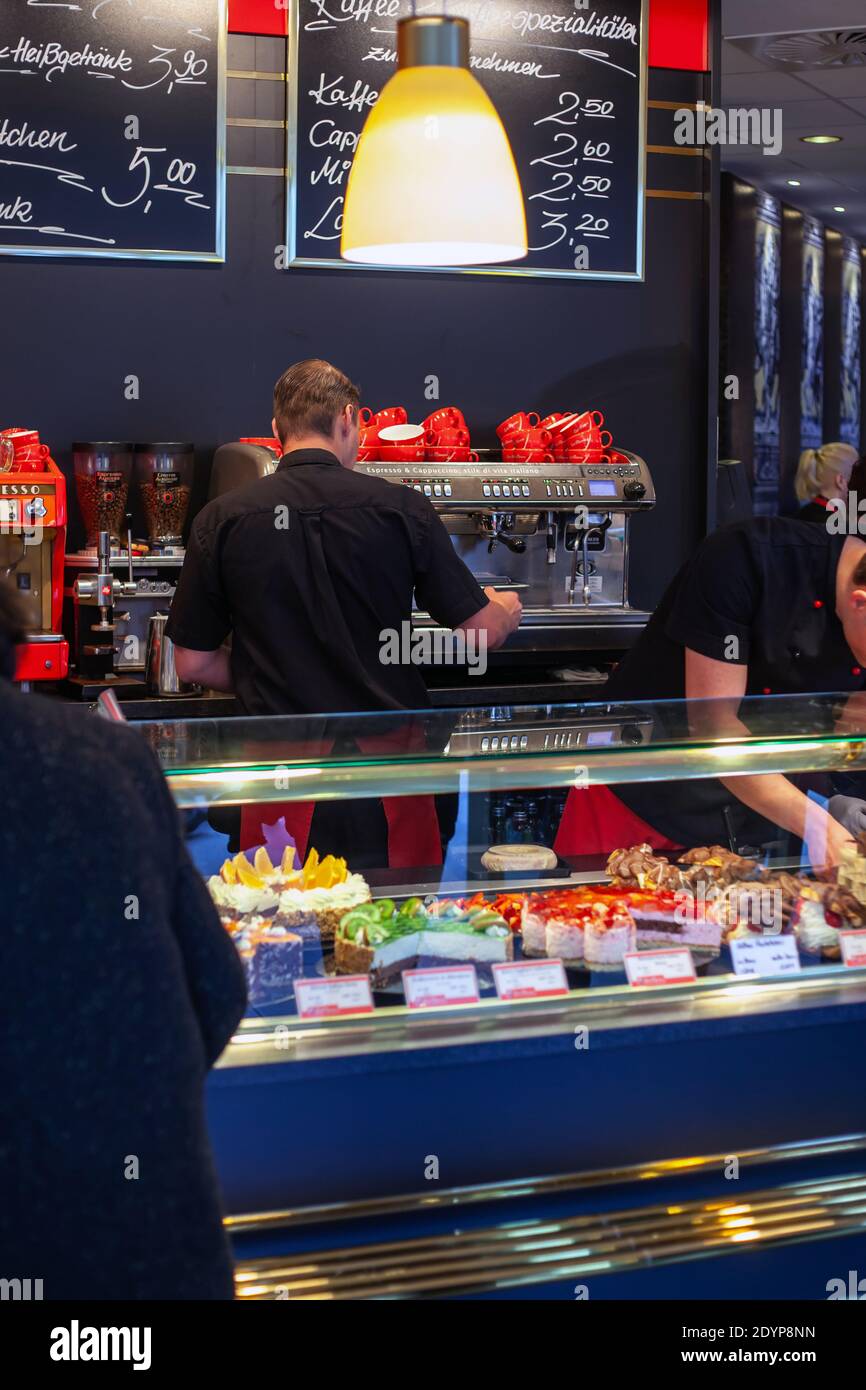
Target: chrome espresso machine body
558,534
555,533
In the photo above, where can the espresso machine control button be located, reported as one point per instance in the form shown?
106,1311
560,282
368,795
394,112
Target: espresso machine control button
486,489
633,491
437,489
506,490
447,489
526,489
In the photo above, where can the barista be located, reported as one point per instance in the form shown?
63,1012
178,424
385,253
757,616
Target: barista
765,607
309,570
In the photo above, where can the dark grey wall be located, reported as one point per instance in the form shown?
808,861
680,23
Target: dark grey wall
207,342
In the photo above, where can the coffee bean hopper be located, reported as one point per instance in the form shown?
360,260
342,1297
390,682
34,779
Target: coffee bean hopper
163,476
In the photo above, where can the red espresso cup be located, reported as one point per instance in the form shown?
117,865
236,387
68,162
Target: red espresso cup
510,454
447,438
448,417
455,454
559,420
519,423
590,419
390,415
401,453
530,439
26,447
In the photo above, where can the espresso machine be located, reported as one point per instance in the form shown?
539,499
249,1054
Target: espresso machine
556,533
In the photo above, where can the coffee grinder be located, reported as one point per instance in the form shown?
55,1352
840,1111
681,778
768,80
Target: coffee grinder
95,596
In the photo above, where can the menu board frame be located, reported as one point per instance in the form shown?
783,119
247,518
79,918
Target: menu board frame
215,257
636,276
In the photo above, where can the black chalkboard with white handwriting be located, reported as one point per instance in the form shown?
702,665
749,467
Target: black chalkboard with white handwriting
568,80
112,128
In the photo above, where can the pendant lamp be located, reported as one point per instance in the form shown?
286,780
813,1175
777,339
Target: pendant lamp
433,181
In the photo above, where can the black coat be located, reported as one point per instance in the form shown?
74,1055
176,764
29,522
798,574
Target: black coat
119,990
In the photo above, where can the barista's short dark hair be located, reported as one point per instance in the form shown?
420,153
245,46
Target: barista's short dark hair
309,397
13,626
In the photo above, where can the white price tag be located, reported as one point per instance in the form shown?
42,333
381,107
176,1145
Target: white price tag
346,994
853,945
665,967
765,955
529,979
440,986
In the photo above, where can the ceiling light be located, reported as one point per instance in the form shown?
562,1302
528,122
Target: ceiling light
820,139
433,181
837,209
795,183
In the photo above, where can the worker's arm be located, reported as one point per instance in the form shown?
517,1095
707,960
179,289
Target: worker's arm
210,669
723,684
499,617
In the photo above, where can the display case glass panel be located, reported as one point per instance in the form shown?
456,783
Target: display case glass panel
360,847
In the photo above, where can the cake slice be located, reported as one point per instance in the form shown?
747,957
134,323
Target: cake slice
609,933
383,940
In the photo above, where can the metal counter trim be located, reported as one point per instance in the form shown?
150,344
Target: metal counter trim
256,1223
511,1255
288,1039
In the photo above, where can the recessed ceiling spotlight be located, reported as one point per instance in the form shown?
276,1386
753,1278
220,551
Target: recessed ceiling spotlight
838,209
795,183
820,139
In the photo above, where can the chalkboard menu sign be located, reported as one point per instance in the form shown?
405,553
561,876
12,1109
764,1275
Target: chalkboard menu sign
568,80
112,128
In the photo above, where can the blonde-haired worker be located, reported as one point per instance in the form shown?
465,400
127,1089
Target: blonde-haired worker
823,475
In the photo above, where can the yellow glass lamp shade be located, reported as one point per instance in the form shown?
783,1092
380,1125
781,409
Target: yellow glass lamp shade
433,180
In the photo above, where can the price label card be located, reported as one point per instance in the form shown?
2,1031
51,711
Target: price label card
529,979
853,945
665,967
347,994
765,955
439,986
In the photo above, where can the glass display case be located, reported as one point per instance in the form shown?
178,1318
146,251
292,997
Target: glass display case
466,992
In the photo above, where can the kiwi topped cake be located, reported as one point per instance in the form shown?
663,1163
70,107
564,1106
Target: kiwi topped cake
382,939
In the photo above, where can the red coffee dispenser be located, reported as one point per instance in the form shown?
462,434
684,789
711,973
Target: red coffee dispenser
32,550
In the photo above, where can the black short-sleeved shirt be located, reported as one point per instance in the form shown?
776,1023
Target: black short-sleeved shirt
307,568
760,593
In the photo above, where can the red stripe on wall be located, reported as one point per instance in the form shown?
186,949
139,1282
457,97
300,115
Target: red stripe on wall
679,34
678,31
258,17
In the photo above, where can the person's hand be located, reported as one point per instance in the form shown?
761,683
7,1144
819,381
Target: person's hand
849,811
824,839
507,599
